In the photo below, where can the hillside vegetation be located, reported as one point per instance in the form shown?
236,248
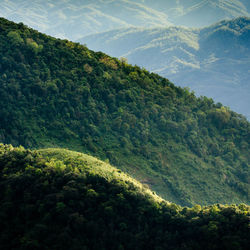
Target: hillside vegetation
55,93
59,199
213,61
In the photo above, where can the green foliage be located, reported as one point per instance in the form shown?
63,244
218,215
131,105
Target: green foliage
33,45
60,199
56,93
15,37
197,58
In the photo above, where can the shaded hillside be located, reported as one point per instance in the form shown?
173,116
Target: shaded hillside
59,199
213,61
58,93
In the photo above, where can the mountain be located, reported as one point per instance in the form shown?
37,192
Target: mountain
199,13
59,199
213,61
189,61
56,93
73,19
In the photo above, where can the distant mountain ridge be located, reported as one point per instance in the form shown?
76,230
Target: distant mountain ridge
74,19
213,61
199,13
71,19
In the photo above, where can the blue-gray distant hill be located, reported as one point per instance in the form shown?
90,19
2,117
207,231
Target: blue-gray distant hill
72,19
198,13
213,61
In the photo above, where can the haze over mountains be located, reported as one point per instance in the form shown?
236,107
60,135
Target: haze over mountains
198,13
213,61
72,19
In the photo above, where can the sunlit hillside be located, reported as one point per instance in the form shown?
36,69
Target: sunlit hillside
56,93
59,199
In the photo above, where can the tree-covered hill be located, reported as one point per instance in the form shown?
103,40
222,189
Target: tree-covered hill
59,199
213,61
55,93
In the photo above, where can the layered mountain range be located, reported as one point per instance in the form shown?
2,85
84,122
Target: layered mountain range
72,19
56,93
164,141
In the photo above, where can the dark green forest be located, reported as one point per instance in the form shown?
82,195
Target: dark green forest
56,93
59,199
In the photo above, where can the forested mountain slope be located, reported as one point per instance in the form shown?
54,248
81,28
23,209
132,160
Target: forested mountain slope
59,199
213,61
58,93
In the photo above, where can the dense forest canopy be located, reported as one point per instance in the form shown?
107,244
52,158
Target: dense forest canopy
59,199
216,75
56,93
